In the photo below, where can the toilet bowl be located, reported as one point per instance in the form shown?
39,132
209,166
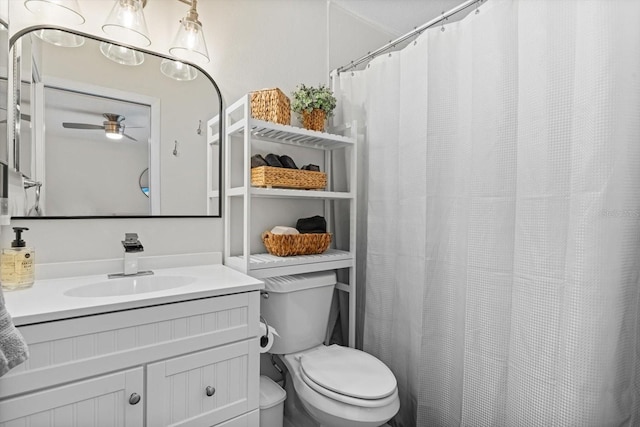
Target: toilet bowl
343,387
328,386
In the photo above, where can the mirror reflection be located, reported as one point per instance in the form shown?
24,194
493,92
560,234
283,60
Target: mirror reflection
4,75
107,131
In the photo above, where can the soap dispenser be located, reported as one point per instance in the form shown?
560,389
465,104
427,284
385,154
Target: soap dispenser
17,264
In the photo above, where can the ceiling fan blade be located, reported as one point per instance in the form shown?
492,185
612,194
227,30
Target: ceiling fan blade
81,126
25,117
130,137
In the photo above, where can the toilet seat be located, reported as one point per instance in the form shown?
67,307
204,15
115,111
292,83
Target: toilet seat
349,376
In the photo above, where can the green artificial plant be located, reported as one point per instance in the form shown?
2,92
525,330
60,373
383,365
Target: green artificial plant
307,98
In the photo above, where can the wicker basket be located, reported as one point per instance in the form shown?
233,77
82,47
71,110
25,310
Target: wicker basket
296,244
268,176
271,105
314,120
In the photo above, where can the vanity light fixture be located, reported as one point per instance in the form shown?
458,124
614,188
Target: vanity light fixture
126,23
62,12
59,38
121,55
178,70
189,44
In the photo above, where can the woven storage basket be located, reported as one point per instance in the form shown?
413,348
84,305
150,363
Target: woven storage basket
314,120
268,176
271,105
296,244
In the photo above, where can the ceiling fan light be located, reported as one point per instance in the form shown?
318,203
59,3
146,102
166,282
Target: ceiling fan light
114,136
178,70
59,38
62,12
189,43
126,23
113,130
121,55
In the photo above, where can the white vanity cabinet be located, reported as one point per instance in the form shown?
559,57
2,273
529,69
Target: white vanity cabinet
191,363
97,401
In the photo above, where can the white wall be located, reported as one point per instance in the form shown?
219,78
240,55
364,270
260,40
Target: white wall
253,44
88,176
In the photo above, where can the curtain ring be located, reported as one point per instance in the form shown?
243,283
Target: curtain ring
477,6
444,19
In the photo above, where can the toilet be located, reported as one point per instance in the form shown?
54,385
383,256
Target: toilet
327,386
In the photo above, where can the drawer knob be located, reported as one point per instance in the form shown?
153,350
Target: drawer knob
134,398
210,391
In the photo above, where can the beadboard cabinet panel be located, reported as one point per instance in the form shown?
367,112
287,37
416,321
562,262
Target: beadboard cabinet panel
204,388
72,349
97,402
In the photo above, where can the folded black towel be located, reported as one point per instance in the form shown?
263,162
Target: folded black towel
314,168
273,160
314,224
257,161
288,162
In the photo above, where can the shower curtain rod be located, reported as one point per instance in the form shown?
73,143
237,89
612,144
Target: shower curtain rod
416,31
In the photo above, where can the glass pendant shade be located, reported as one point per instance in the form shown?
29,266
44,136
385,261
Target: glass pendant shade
60,38
126,23
177,70
62,12
189,43
121,55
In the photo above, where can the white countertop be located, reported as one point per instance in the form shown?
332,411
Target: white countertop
45,300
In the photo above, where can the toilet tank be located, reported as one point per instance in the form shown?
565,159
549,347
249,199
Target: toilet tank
298,308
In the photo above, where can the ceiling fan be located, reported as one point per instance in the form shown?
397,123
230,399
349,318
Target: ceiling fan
113,127
23,116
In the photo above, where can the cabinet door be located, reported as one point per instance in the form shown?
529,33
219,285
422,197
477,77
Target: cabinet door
101,401
204,388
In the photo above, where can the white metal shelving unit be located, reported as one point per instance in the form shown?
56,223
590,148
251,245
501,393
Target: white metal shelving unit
213,148
241,128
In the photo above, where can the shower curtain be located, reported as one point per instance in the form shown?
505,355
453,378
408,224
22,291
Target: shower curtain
499,274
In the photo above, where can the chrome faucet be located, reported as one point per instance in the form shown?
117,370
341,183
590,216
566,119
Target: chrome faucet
132,248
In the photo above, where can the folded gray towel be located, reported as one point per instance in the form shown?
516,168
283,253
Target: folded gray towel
13,348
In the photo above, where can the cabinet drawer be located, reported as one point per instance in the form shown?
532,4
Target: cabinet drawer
73,349
102,401
204,388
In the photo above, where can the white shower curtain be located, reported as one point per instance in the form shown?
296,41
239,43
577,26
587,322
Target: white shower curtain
502,215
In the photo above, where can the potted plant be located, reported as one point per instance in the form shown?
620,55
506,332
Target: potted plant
313,105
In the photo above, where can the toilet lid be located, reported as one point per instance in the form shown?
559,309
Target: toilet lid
349,372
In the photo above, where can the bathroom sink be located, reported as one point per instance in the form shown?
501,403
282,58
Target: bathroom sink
129,286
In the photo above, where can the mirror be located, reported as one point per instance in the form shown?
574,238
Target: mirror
143,182
4,76
101,138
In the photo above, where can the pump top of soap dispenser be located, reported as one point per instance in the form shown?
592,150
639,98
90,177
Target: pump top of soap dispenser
18,242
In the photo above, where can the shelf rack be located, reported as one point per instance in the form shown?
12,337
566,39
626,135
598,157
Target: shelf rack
213,150
240,127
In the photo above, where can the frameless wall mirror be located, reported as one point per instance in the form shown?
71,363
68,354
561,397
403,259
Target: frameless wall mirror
98,122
